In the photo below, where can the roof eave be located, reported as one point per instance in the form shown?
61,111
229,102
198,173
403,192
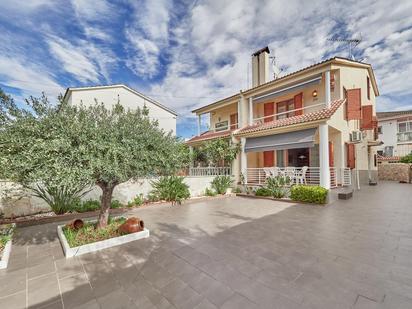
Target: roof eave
287,128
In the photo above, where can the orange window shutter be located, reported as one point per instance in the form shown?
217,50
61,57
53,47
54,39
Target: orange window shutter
298,100
268,110
331,155
351,155
367,117
354,110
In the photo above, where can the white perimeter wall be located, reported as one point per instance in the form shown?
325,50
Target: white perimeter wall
124,193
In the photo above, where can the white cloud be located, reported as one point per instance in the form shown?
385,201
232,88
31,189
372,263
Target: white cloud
93,16
84,61
31,79
147,36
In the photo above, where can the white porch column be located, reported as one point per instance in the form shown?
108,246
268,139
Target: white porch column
243,159
239,113
324,156
327,89
199,124
250,111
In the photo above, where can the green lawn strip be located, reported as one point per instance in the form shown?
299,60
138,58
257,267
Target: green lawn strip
89,234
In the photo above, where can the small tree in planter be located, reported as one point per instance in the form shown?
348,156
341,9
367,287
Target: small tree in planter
220,152
70,146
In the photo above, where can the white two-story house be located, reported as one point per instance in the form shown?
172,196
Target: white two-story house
126,96
395,131
319,121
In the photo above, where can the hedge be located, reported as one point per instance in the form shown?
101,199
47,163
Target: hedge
263,192
309,194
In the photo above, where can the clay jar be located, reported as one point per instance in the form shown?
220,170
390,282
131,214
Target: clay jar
132,225
76,224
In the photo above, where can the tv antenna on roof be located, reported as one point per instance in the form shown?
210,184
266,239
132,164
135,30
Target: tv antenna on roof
276,69
352,43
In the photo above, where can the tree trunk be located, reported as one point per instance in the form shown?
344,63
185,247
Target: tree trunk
106,201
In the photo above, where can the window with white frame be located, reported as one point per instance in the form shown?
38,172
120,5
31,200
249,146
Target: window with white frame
405,126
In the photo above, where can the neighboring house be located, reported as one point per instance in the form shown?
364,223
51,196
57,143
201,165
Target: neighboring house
395,131
128,97
322,117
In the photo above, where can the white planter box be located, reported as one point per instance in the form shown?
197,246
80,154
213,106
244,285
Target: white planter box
99,245
6,252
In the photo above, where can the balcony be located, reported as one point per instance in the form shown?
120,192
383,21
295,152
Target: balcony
404,137
289,113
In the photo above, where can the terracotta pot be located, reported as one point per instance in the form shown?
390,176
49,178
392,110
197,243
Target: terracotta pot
132,225
76,224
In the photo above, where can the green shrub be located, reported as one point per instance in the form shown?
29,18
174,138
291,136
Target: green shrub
60,199
279,186
237,190
309,194
137,201
263,192
210,192
406,159
151,197
115,204
90,205
171,189
221,183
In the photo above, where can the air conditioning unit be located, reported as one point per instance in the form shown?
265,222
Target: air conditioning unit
356,136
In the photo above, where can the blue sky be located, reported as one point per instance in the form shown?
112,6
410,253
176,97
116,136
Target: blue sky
189,53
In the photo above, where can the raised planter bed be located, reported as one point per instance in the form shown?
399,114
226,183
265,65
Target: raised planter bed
5,253
99,245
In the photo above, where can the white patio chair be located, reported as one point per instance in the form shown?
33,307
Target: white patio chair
301,175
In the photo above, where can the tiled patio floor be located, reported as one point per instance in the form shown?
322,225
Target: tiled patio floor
231,253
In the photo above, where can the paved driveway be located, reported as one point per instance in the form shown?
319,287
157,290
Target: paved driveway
232,253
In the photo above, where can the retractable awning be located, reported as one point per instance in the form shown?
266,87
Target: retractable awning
291,140
273,94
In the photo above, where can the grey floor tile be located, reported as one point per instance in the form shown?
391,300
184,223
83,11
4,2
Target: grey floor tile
43,291
14,301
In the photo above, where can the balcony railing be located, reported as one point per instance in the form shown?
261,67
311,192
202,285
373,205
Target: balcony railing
298,175
209,171
404,137
305,109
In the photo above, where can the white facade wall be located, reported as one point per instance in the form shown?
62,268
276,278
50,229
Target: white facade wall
124,193
111,95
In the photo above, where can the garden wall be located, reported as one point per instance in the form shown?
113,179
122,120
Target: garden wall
125,192
395,171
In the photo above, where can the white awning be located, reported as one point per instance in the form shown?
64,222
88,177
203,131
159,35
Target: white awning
290,140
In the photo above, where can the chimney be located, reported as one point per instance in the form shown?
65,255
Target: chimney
260,67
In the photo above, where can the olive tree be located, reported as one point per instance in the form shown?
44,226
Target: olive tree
220,151
66,146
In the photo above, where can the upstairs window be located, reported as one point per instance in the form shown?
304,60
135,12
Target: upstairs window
405,126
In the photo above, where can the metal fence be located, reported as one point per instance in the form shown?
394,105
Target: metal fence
298,175
210,171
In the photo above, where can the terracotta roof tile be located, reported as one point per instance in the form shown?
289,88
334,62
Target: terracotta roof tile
208,135
383,158
324,113
381,115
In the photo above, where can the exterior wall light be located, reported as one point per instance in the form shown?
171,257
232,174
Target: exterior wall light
315,93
